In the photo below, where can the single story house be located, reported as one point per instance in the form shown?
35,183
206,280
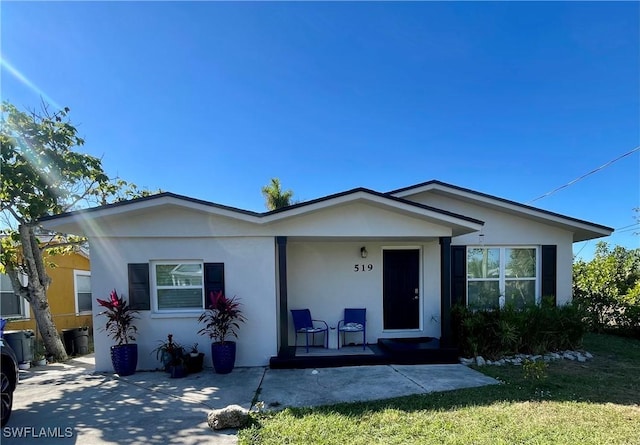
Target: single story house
406,256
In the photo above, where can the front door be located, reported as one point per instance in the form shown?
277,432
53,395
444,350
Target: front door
401,288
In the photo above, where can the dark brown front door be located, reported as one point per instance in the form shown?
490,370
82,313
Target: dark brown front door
401,293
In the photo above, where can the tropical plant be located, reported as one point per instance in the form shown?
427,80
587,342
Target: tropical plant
42,175
169,352
534,329
221,318
120,319
274,196
608,288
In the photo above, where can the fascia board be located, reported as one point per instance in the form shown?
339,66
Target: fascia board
569,223
378,201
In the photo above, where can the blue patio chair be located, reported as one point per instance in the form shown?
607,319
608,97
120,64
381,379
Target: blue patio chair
355,320
303,324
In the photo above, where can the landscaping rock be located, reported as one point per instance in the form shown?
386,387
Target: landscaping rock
233,416
518,359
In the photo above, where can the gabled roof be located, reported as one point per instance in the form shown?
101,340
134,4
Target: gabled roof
460,223
395,200
582,230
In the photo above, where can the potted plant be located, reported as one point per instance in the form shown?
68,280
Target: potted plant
221,319
171,355
120,327
194,360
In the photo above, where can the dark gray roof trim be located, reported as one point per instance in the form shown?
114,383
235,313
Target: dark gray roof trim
506,201
149,198
260,215
380,195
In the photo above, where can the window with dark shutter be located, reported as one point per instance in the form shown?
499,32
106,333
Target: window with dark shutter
549,274
139,295
459,274
213,279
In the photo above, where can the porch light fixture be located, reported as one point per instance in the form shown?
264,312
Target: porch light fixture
363,252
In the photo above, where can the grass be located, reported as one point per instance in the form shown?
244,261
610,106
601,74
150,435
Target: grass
596,402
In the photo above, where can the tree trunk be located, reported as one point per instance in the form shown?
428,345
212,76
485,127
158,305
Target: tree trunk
35,292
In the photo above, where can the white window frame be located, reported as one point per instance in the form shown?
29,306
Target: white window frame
76,274
25,309
154,287
502,278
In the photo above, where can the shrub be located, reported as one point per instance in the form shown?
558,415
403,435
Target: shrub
531,330
608,288
534,370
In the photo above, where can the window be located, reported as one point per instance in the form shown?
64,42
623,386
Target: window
82,286
11,305
178,285
502,275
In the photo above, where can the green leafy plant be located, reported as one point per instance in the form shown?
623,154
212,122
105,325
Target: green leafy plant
120,319
534,370
169,353
608,288
534,329
221,318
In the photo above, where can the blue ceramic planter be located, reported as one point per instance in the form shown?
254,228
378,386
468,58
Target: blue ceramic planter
124,358
224,356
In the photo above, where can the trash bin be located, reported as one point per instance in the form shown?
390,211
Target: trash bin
22,344
76,340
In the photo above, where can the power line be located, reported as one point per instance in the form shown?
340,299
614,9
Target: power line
628,230
585,245
585,175
626,227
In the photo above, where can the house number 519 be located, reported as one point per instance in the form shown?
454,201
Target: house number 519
363,267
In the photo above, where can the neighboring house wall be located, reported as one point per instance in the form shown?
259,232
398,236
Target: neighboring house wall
503,229
61,294
249,274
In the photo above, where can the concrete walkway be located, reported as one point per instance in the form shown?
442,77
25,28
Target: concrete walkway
70,403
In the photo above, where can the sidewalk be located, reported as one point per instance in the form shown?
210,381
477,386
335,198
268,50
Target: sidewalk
69,403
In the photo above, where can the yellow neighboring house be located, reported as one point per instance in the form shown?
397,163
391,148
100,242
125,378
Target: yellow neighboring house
69,295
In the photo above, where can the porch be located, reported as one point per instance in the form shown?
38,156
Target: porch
387,351
408,304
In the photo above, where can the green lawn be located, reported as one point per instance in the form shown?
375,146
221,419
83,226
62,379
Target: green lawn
597,402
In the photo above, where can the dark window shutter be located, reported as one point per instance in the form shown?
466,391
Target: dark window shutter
548,274
139,295
459,274
213,279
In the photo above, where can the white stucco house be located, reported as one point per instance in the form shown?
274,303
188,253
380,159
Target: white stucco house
406,256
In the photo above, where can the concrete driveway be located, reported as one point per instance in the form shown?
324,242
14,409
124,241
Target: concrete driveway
70,403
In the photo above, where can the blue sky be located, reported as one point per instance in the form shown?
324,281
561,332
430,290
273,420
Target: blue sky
211,100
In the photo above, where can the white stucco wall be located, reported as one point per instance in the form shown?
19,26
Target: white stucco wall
321,277
249,274
503,229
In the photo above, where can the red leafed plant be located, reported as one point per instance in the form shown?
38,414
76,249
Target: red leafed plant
221,318
120,318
